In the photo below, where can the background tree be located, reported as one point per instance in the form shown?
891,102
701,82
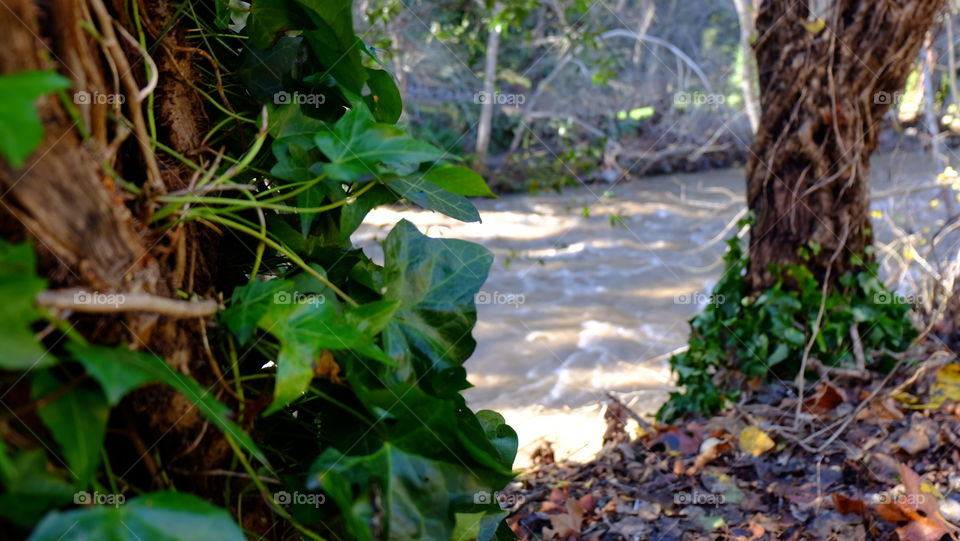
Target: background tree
828,73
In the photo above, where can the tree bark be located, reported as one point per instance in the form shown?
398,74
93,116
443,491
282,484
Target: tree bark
485,126
828,72
87,233
748,69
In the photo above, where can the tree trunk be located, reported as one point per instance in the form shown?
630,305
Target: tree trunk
828,73
65,199
485,126
748,69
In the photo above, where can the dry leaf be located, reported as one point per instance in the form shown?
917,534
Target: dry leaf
710,450
754,441
914,440
826,398
566,524
929,526
846,505
947,386
327,368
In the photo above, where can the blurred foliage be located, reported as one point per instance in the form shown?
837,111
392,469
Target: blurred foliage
439,49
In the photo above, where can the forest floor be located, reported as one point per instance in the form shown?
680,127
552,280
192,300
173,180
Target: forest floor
873,457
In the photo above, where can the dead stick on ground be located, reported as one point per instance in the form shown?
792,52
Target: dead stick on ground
636,416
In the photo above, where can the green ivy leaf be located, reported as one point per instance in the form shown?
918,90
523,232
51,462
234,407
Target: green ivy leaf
120,371
357,145
352,215
173,516
433,197
289,124
268,18
306,318
248,304
78,421
418,496
20,127
459,180
19,286
334,42
501,435
384,99
373,317
30,487
303,337
435,281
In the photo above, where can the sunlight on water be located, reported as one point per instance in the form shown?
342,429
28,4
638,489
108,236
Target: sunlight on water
577,304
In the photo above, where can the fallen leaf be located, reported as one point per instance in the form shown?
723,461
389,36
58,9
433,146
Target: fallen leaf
566,524
676,442
587,503
846,505
825,399
921,529
914,440
712,449
754,530
947,386
921,499
891,512
754,441
918,508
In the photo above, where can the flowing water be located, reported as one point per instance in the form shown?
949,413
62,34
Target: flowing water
591,290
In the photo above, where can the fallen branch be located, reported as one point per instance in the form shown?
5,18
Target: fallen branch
89,302
636,416
837,371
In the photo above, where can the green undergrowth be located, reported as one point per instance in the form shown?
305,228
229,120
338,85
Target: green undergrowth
738,337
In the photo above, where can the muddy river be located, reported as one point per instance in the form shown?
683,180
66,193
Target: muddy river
591,290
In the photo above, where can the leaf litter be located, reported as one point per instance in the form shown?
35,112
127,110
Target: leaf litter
868,459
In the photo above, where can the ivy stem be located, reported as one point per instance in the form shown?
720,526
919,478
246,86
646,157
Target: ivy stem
265,494
292,256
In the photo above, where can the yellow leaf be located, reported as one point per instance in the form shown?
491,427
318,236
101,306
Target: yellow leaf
754,441
876,214
947,386
815,26
906,399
